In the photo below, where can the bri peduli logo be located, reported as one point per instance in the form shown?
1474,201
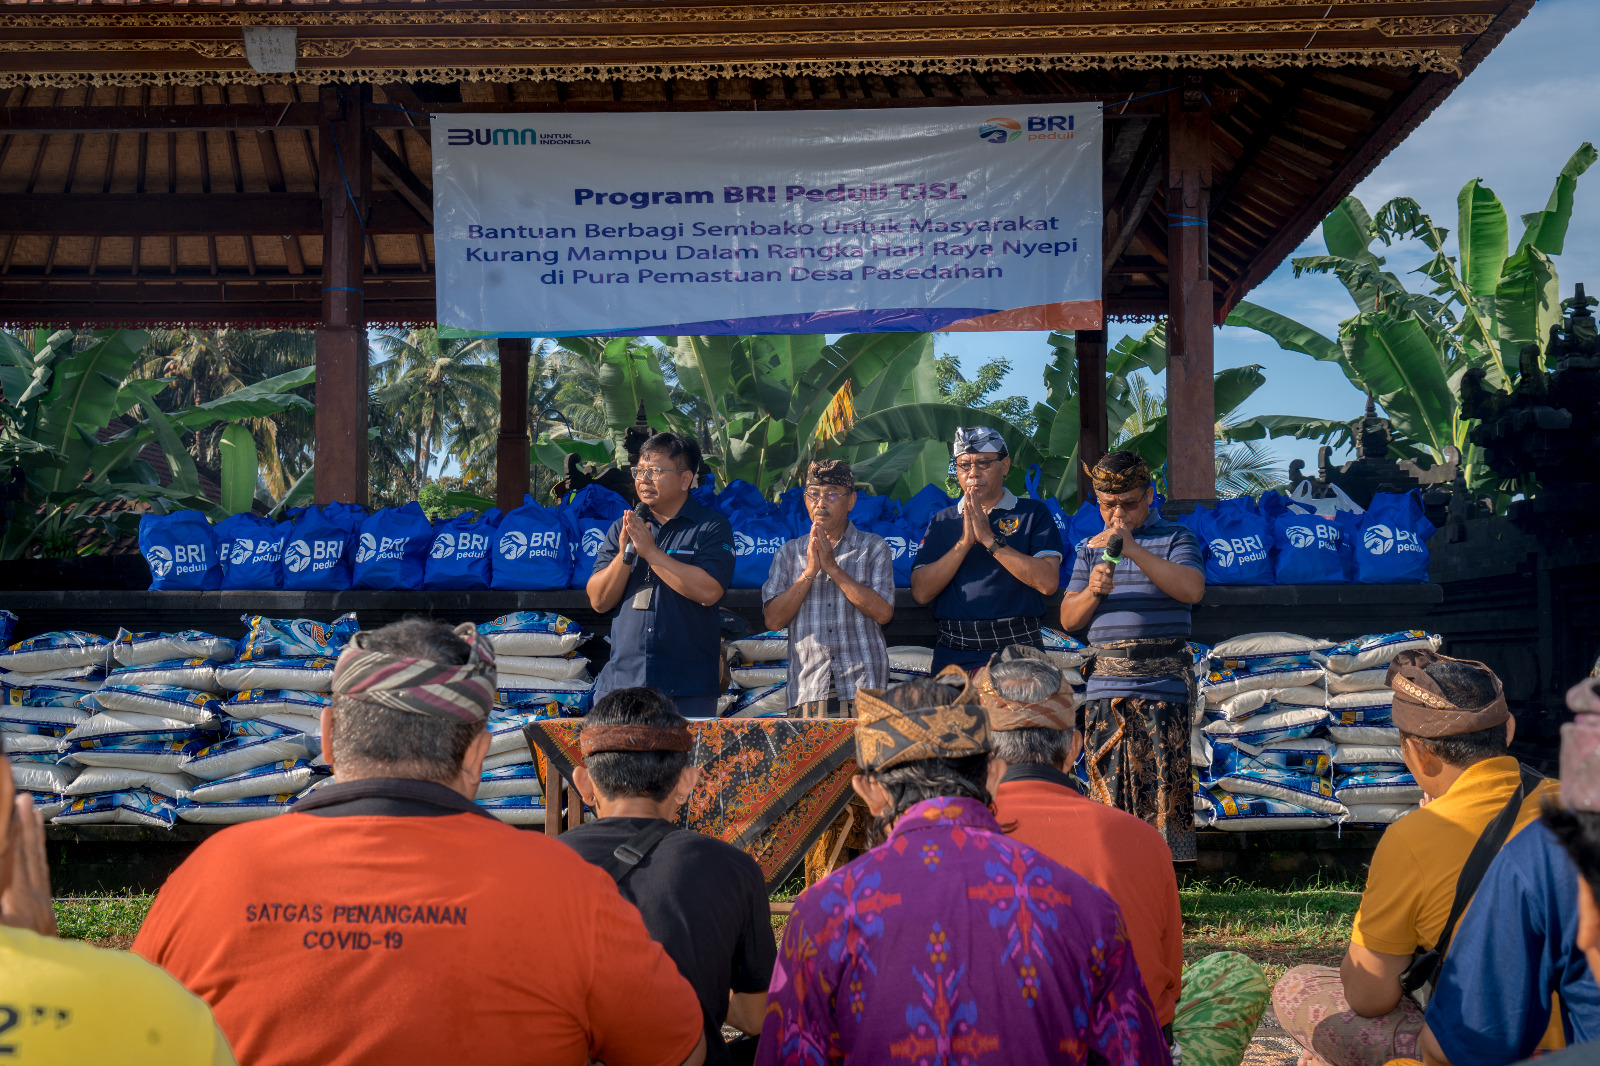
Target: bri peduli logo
1000,130
745,544
513,545
1238,550
1380,539
593,541
897,546
444,546
160,561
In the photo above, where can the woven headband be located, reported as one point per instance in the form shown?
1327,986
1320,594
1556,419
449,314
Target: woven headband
1116,482
594,739
1056,711
462,693
830,472
1422,710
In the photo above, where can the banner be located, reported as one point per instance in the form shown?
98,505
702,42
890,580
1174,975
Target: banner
880,220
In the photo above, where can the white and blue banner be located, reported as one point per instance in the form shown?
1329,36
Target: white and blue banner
870,220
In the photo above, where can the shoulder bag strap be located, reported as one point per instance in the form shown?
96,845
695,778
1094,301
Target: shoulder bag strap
1483,853
631,852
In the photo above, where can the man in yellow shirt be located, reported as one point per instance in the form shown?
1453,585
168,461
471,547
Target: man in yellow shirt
69,1004
1455,730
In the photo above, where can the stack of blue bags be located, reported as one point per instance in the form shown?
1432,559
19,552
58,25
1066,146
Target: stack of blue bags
344,546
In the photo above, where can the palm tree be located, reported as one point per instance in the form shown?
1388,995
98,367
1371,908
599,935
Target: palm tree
434,391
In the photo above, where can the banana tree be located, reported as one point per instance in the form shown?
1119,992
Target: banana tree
1410,350
57,400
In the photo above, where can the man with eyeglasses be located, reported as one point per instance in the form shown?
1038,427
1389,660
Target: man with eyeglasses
1136,712
834,590
666,633
987,563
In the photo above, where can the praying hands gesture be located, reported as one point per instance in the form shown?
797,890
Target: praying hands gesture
819,556
636,531
975,525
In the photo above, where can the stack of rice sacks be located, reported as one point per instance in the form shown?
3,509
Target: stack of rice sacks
759,668
157,706
269,752
1297,734
42,679
540,675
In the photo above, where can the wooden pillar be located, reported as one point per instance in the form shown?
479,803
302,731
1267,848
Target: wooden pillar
511,449
1093,431
1191,361
345,169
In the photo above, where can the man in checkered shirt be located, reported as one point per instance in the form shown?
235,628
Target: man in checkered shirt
834,590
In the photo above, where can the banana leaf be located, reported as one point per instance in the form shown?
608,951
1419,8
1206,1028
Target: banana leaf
1401,365
238,452
938,422
629,376
1483,236
1547,230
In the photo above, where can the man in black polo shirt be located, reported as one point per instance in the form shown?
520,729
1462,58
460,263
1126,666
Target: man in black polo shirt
704,901
987,563
666,632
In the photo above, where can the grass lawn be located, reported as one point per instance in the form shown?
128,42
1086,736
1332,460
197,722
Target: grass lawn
1278,928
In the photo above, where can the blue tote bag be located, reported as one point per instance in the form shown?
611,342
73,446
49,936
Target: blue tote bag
1392,548
392,548
533,549
1238,543
459,557
251,547
589,514
318,553
1309,549
181,549
756,539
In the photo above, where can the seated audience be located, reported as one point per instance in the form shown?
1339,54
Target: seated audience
390,920
65,1002
1519,956
1455,731
950,942
704,901
1031,714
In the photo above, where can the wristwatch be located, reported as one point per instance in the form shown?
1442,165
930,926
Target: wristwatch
998,543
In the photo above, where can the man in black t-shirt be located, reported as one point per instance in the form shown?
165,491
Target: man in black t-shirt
703,901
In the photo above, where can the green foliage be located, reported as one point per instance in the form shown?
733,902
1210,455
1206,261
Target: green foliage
976,393
434,503
62,395
104,921
1410,350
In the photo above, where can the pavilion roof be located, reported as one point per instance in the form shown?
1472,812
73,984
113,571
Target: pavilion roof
149,174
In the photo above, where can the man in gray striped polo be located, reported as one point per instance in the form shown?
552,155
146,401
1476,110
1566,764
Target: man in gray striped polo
834,591
1136,712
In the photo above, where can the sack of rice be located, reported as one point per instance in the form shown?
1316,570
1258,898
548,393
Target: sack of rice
541,633
1368,758
46,720
911,659
1307,755
517,780
198,674
164,701
82,678
515,810
276,725
569,667
134,753
48,804
1262,729
769,702
309,674
1241,812
271,779
762,647
32,747
1378,649
118,726
233,812
54,694
1242,706
42,776
290,638
1222,682
236,755
1360,681
1376,815
139,649
1361,708
1064,652
1366,788
1380,735
56,651
761,676
549,702
136,806
95,779
255,702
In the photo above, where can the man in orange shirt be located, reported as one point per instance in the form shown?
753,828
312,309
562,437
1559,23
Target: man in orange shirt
389,921
1032,724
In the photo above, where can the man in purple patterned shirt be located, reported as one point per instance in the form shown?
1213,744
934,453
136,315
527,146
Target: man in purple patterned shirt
949,944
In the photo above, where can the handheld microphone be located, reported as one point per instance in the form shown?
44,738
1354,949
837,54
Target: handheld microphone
630,553
1112,555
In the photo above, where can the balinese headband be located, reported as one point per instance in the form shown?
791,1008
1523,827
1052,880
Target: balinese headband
462,693
1421,708
1116,482
593,739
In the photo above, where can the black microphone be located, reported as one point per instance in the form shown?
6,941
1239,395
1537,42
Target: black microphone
1112,555
630,553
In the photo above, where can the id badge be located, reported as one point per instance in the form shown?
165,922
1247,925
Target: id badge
642,598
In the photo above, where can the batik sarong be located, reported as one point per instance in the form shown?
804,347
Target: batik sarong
1137,752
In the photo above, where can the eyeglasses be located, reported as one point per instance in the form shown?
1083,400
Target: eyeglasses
656,473
973,465
1121,505
817,496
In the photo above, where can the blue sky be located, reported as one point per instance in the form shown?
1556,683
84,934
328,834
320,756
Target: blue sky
1513,123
